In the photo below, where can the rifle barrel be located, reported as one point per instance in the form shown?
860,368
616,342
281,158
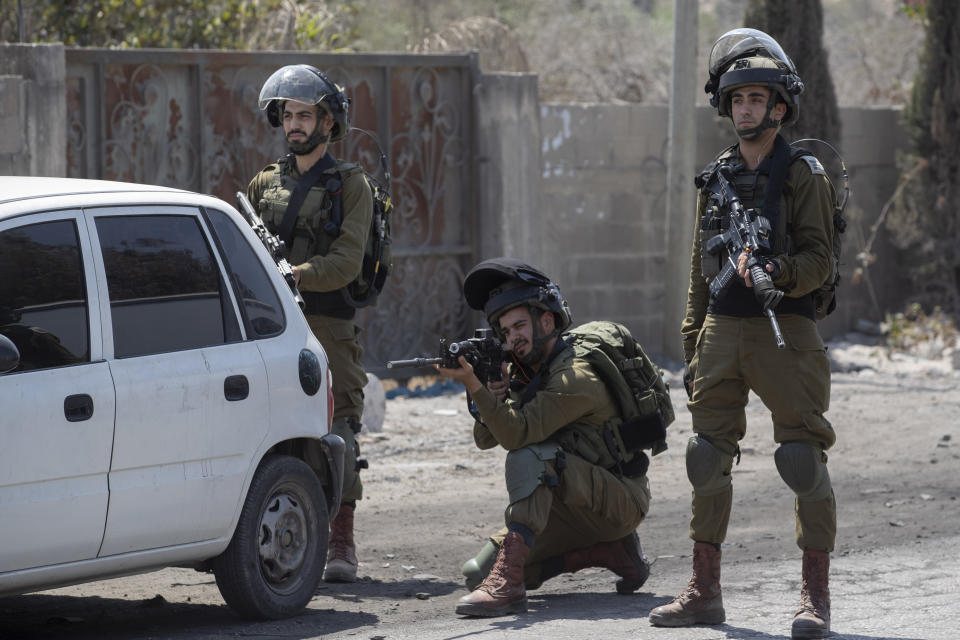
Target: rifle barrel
413,362
777,335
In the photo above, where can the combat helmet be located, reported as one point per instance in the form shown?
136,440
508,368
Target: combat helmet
744,57
307,84
495,286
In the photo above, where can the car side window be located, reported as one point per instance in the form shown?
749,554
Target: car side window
166,293
43,298
259,302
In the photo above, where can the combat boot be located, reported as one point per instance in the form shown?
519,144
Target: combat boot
701,602
342,554
624,557
502,591
812,619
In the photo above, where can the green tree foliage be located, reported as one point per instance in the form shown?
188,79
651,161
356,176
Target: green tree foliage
925,222
798,27
206,24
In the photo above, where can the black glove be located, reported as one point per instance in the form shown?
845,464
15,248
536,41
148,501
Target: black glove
688,380
777,267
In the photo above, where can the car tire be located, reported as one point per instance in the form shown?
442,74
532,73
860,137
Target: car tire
275,560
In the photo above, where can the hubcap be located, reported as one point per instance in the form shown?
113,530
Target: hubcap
283,539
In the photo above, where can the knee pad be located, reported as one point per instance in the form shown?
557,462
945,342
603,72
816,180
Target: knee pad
525,469
802,467
708,468
475,570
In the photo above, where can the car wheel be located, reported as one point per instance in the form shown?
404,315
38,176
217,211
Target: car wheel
276,557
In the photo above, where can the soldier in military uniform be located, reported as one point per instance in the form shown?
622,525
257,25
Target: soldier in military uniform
568,509
322,209
729,344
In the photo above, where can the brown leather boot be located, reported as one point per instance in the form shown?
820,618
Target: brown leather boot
502,591
701,602
624,557
342,554
812,619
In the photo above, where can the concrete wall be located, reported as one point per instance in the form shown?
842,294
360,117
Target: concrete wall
602,200
603,191
33,110
508,166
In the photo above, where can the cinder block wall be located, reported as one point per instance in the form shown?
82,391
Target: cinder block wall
602,202
603,190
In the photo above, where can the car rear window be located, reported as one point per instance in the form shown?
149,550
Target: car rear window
166,293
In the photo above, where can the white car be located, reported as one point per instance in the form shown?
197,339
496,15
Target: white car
162,399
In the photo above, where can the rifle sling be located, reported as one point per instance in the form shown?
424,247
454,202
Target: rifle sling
534,385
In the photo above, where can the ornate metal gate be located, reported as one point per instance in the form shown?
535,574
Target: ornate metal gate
189,119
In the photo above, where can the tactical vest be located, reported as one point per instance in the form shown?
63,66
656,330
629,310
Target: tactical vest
751,188
309,236
639,391
583,440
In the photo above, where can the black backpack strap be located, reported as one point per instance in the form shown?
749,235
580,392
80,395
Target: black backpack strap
306,182
780,162
334,187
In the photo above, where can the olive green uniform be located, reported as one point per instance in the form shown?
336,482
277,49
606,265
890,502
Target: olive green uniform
731,353
557,473
326,265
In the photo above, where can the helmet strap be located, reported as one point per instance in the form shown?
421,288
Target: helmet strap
765,123
538,348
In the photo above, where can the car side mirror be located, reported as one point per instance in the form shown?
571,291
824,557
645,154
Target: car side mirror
9,354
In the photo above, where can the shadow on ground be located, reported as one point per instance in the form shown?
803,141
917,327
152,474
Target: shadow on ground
39,616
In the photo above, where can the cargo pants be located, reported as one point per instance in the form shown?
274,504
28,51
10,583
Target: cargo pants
580,506
341,341
736,355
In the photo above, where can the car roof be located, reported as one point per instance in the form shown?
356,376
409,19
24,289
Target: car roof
13,188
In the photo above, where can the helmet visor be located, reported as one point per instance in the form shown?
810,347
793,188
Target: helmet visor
741,43
294,82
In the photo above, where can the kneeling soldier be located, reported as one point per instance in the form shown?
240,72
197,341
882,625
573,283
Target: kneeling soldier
570,506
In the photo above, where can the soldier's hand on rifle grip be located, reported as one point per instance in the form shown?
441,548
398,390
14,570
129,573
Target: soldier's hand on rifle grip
744,271
464,375
499,387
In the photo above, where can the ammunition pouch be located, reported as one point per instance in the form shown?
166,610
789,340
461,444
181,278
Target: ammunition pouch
710,265
626,440
585,442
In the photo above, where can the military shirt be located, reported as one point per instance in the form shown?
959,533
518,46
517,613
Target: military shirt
572,394
808,204
331,267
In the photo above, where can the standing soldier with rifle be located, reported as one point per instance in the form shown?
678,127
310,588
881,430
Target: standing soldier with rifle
322,210
729,340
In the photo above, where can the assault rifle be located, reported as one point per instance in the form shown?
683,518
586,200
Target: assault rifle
749,232
272,242
484,352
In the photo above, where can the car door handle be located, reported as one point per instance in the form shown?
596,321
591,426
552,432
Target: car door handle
78,408
236,388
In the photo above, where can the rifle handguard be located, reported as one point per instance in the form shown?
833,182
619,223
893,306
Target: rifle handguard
723,280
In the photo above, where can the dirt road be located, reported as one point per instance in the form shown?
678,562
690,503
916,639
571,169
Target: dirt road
432,497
